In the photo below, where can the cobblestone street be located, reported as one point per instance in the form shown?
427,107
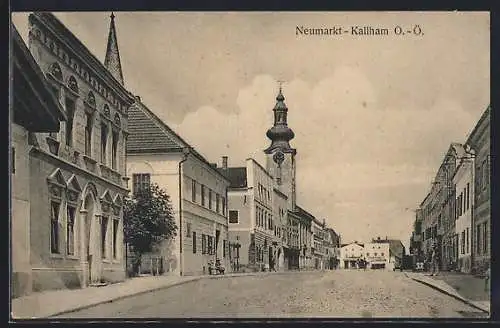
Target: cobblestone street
342,293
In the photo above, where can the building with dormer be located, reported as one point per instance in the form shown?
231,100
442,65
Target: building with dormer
77,172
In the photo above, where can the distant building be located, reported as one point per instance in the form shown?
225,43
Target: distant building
377,255
254,223
77,176
350,254
317,244
197,190
332,248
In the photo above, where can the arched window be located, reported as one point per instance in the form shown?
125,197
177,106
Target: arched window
91,98
72,84
106,110
117,120
56,71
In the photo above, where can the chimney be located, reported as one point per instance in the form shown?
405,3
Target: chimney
224,162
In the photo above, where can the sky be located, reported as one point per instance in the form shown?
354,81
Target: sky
373,116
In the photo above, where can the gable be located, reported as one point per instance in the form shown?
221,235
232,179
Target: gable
73,183
107,197
57,178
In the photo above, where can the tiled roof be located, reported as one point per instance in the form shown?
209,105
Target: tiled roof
237,176
148,133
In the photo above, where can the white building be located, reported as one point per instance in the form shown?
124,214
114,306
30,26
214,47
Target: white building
463,180
254,222
198,192
350,254
378,256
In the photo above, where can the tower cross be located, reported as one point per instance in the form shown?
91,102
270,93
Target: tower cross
280,83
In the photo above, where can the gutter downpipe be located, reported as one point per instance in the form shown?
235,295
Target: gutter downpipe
185,153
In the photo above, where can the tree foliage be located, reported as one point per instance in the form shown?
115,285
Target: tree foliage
148,219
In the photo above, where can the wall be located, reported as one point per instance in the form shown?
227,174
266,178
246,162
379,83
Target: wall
55,271
464,176
20,221
164,170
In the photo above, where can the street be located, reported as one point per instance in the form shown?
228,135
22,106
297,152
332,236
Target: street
340,293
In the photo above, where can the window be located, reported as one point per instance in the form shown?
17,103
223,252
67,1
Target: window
114,149
478,239
462,244
13,160
203,244
141,181
209,199
484,177
464,198
104,230
88,135
70,231
485,238
188,229
193,190
233,216
104,142
209,249
224,248
116,223
54,228
70,112
194,242
202,195
217,205
381,254
223,206
468,195
467,241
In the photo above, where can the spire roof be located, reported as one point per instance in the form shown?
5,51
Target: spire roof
112,59
280,134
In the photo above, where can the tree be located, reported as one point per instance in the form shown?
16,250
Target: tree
148,220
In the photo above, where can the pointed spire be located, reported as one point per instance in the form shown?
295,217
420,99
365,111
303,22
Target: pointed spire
112,59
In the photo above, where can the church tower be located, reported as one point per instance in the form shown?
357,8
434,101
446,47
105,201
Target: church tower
112,59
280,156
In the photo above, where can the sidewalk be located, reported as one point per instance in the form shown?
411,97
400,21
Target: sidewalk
55,302
454,285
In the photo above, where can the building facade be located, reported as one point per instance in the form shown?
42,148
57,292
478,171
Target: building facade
449,249
377,255
35,110
350,254
463,179
198,192
479,141
255,217
78,173
317,244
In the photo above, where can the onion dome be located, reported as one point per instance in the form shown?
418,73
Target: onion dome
280,134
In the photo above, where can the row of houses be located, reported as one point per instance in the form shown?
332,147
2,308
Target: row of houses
380,253
78,136
454,216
